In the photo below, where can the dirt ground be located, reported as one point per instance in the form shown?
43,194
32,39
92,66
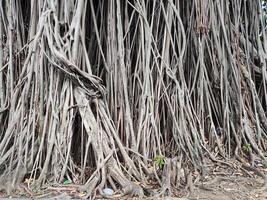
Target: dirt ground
235,188
230,188
218,188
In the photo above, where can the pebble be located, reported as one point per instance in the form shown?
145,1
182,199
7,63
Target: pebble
108,191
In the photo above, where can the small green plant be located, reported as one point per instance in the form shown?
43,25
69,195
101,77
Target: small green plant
160,162
247,147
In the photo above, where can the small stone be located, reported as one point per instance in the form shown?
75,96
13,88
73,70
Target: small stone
108,191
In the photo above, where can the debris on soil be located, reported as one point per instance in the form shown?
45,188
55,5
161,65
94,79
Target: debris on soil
217,188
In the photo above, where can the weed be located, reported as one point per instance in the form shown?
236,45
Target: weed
247,147
160,161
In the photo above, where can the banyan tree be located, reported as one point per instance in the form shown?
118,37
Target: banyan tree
129,93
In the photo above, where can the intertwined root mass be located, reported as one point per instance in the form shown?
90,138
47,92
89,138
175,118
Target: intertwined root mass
93,91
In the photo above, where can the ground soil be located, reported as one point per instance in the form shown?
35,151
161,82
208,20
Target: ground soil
220,183
217,188
231,188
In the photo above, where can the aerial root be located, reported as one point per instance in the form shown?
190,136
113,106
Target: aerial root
172,173
128,188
